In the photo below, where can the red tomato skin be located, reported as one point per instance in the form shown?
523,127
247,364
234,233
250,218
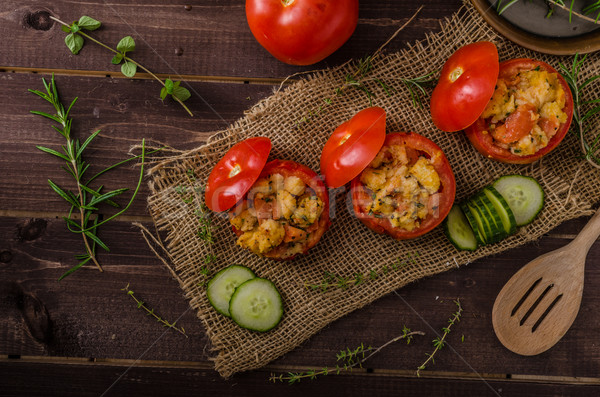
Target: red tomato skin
457,102
289,168
224,190
447,189
352,146
484,142
302,32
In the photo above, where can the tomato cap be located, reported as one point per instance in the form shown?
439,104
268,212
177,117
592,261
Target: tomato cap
236,172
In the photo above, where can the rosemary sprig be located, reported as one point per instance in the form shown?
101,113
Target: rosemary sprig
438,342
417,87
85,200
75,40
500,8
593,8
150,312
347,359
583,111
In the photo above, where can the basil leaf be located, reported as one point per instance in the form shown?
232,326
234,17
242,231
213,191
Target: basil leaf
74,42
128,69
117,59
181,93
163,93
169,86
88,23
126,44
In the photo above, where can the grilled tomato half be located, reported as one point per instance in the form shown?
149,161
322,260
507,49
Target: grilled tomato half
528,116
408,188
284,213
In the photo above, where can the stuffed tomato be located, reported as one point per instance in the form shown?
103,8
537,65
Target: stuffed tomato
408,188
284,213
528,116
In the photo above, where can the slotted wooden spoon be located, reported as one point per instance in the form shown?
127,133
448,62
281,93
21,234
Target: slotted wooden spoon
536,307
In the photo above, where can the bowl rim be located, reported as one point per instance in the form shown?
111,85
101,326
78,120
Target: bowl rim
583,44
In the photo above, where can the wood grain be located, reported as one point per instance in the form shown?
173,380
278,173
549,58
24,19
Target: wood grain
102,322
125,111
211,38
79,336
144,379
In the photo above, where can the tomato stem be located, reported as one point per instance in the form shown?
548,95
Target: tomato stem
235,170
344,139
286,2
456,73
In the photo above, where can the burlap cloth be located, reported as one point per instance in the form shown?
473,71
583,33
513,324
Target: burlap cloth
299,119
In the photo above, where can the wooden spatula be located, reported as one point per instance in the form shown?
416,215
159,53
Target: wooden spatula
539,303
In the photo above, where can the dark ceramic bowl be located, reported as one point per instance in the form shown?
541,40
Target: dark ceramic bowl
526,24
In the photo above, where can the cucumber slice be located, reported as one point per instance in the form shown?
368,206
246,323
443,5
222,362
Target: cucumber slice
524,196
475,223
222,286
506,215
491,219
256,305
479,219
459,230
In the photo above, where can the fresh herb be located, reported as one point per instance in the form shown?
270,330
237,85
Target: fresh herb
333,280
150,312
440,342
347,360
500,8
83,215
417,87
583,110
593,8
174,89
75,41
358,78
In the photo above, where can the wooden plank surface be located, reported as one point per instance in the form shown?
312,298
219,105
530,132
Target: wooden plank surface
102,321
85,332
211,37
125,111
113,380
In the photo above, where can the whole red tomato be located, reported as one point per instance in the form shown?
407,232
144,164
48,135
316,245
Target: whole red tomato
302,32
521,121
352,146
417,145
235,173
465,87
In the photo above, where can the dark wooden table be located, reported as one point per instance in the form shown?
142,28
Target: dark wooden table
84,335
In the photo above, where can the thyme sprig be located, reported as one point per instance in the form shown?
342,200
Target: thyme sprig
75,41
150,312
583,110
440,342
202,212
347,360
332,280
83,217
